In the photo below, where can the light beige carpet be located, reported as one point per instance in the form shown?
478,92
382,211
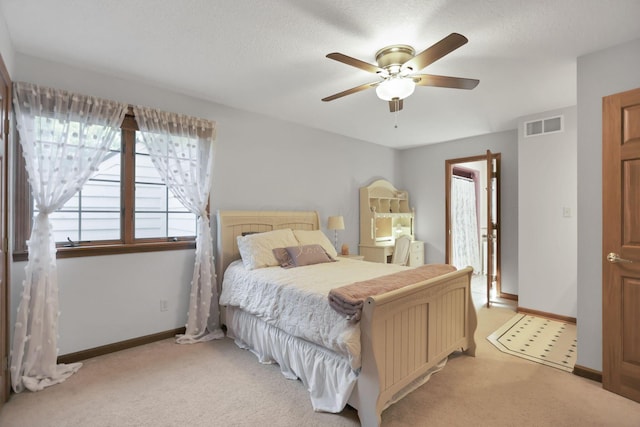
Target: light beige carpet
550,342
217,384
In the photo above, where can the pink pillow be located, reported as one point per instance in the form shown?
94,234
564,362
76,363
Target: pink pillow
297,256
283,258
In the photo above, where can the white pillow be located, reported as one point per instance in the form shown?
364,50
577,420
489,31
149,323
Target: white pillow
256,250
315,237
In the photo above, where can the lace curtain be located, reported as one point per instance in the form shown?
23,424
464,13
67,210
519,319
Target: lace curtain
64,138
182,150
464,227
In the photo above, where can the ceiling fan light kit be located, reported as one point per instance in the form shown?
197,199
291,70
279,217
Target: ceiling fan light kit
396,66
395,87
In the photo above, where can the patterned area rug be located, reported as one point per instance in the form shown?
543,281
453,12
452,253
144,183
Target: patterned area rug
550,342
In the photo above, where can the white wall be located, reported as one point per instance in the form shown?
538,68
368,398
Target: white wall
547,239
600,74
261,163
6,49
116,297
422,173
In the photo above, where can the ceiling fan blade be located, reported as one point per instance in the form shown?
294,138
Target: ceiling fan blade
395,105
355,62
444,81
350,91
435,52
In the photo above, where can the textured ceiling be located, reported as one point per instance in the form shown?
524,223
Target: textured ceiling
269,56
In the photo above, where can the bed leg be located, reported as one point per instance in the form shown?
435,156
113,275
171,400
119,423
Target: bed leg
471,349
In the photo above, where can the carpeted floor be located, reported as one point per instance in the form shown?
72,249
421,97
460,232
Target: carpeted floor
217,384
550,342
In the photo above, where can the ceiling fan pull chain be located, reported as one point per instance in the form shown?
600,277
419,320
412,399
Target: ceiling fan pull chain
397,102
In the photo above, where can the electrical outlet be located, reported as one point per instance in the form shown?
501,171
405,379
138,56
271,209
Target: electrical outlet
164,305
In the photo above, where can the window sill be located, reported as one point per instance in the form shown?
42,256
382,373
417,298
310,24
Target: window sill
99,250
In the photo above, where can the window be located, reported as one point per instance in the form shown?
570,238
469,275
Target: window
124,207
92,214
157,212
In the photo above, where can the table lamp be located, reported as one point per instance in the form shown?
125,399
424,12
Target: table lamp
335,223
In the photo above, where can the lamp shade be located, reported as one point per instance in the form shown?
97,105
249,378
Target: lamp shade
395,87
335,223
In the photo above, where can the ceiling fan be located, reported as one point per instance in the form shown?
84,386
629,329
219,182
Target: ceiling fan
396,69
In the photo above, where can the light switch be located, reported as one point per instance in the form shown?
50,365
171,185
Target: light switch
566,212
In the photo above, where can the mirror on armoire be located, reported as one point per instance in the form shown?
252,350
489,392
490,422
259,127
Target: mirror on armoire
472,221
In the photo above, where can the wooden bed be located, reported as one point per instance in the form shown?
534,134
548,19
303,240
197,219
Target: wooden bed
404,333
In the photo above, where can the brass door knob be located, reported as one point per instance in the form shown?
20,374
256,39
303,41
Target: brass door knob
615,258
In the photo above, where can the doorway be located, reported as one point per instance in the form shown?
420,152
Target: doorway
472,188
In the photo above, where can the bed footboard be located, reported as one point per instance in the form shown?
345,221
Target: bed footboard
405,333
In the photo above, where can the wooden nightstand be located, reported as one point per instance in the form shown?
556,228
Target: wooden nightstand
357,257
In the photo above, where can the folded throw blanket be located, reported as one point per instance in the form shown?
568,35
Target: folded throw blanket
349,299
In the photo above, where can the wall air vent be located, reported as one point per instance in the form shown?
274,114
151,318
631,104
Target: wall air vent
543,126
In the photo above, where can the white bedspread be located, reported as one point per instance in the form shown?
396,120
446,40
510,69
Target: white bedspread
295,300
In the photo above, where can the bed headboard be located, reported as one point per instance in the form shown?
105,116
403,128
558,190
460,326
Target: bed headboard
232,224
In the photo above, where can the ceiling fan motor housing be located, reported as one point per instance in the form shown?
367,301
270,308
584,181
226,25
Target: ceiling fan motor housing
391,58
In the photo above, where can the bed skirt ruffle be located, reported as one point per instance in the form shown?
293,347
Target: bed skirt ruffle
327,376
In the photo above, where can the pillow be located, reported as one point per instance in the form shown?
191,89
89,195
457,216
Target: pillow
256,250
283,258
315,237
308,255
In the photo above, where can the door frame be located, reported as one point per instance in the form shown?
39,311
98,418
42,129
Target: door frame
5,380
449,165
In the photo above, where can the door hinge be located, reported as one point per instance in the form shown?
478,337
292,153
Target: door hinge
5,245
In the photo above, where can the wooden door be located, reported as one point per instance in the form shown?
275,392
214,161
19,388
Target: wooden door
621,244
5,104
493,223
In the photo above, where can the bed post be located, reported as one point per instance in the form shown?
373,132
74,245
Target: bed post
472,322
367,391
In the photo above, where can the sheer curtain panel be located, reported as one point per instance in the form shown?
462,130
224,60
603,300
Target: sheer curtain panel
464,227
64,137
182,150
